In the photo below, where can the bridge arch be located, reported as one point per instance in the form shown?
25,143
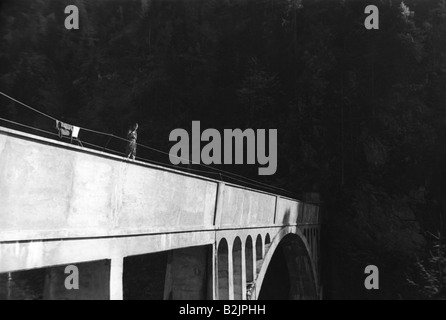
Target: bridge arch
267,239
259,248
249,259
288,271
223,270
237,269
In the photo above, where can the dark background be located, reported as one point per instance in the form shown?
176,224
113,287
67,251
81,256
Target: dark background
360,113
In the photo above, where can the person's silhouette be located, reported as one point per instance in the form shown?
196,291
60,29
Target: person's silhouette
132,136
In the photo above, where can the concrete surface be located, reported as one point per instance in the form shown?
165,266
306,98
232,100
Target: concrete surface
62,204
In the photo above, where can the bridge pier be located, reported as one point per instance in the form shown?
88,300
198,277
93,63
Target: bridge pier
231,273
243,262
116,279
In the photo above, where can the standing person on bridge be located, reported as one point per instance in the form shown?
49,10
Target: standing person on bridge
132,136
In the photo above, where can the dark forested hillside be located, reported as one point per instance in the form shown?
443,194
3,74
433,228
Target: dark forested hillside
361,114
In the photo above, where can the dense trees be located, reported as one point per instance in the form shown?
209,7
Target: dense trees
361,114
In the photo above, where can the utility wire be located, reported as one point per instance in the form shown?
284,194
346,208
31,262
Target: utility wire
27,106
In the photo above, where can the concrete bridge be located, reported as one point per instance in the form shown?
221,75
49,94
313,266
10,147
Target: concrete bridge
63,205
